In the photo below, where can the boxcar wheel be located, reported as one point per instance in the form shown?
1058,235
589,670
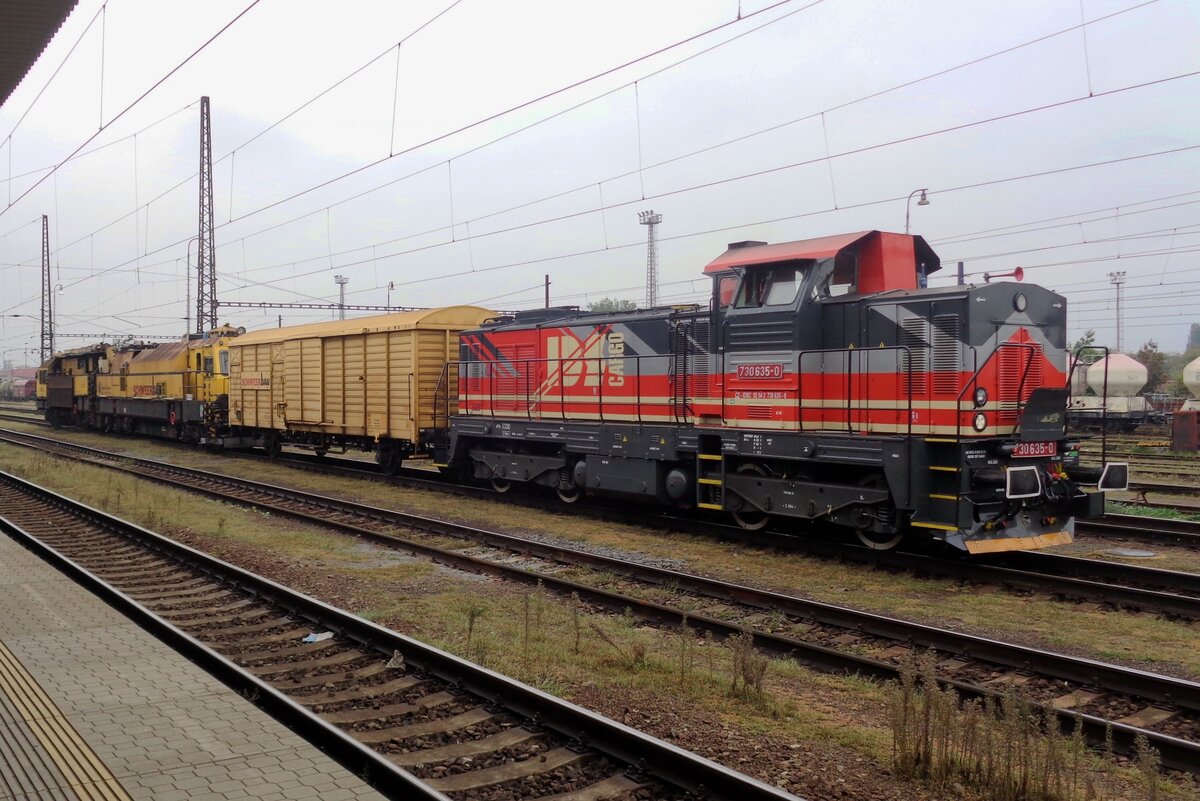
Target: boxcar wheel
273,445
501,485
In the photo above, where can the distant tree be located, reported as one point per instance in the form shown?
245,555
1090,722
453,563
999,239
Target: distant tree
1193,338
612,305
1083,350
1155,363
1088,339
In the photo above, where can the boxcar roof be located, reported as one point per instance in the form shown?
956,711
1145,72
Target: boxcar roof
458,317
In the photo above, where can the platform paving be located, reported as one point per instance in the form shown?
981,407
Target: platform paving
93,707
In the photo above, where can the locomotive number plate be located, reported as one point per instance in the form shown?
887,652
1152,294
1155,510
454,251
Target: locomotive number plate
1034,449
760,371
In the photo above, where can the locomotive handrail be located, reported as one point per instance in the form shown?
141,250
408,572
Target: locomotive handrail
974,380
488,375
862,354
1076,358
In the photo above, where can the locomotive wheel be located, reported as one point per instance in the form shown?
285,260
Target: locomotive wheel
877,540
569,494
501,485
749,517
320,451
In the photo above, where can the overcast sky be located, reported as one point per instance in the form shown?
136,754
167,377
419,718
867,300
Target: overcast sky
505,141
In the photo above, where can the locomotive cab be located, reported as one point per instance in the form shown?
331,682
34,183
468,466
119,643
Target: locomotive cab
841,336
762,293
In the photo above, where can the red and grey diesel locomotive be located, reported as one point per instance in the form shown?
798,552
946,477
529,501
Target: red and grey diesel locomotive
823,382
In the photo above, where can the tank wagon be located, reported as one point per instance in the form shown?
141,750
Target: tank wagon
1107,397
821,383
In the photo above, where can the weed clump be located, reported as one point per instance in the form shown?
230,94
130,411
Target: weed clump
1008,750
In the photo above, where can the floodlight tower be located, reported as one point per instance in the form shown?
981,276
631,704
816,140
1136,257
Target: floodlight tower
206,257
1117,279
651,221
341,281
47,295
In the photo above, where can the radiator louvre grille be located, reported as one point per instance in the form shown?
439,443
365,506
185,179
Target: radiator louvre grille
1016,382
914,335
947,354
758,412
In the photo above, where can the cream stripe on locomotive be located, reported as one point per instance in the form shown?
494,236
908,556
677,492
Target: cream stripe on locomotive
772,425
789,403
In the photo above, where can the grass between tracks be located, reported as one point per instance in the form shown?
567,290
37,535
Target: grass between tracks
1131,638
775,719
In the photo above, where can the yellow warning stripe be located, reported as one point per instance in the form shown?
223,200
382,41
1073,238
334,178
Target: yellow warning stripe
716,506
938,526
939,497
1019,543
715,481
85,773
712,457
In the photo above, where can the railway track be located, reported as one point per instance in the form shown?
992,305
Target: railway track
21,417
1103,696
1121,585
1144,529
424,723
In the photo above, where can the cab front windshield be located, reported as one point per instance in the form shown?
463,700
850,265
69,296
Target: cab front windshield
758,287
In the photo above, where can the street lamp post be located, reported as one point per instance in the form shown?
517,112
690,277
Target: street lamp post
924,201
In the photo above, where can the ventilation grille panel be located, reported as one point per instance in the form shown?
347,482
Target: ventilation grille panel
914,335
947,354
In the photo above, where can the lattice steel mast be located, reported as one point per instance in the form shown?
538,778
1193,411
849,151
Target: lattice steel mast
206,260
651,221
47,294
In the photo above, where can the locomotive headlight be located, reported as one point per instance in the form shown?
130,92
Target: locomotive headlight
981,397
979,421
1020,302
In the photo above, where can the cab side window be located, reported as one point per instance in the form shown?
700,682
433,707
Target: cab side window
840,279
224,362
726,287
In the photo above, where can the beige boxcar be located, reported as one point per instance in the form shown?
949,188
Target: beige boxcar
369,378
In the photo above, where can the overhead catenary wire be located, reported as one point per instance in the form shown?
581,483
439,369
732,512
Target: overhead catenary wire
134,103
540,259
838,106
469,126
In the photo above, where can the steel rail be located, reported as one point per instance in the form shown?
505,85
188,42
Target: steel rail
665,762
1146,685
1140,587
1142,527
